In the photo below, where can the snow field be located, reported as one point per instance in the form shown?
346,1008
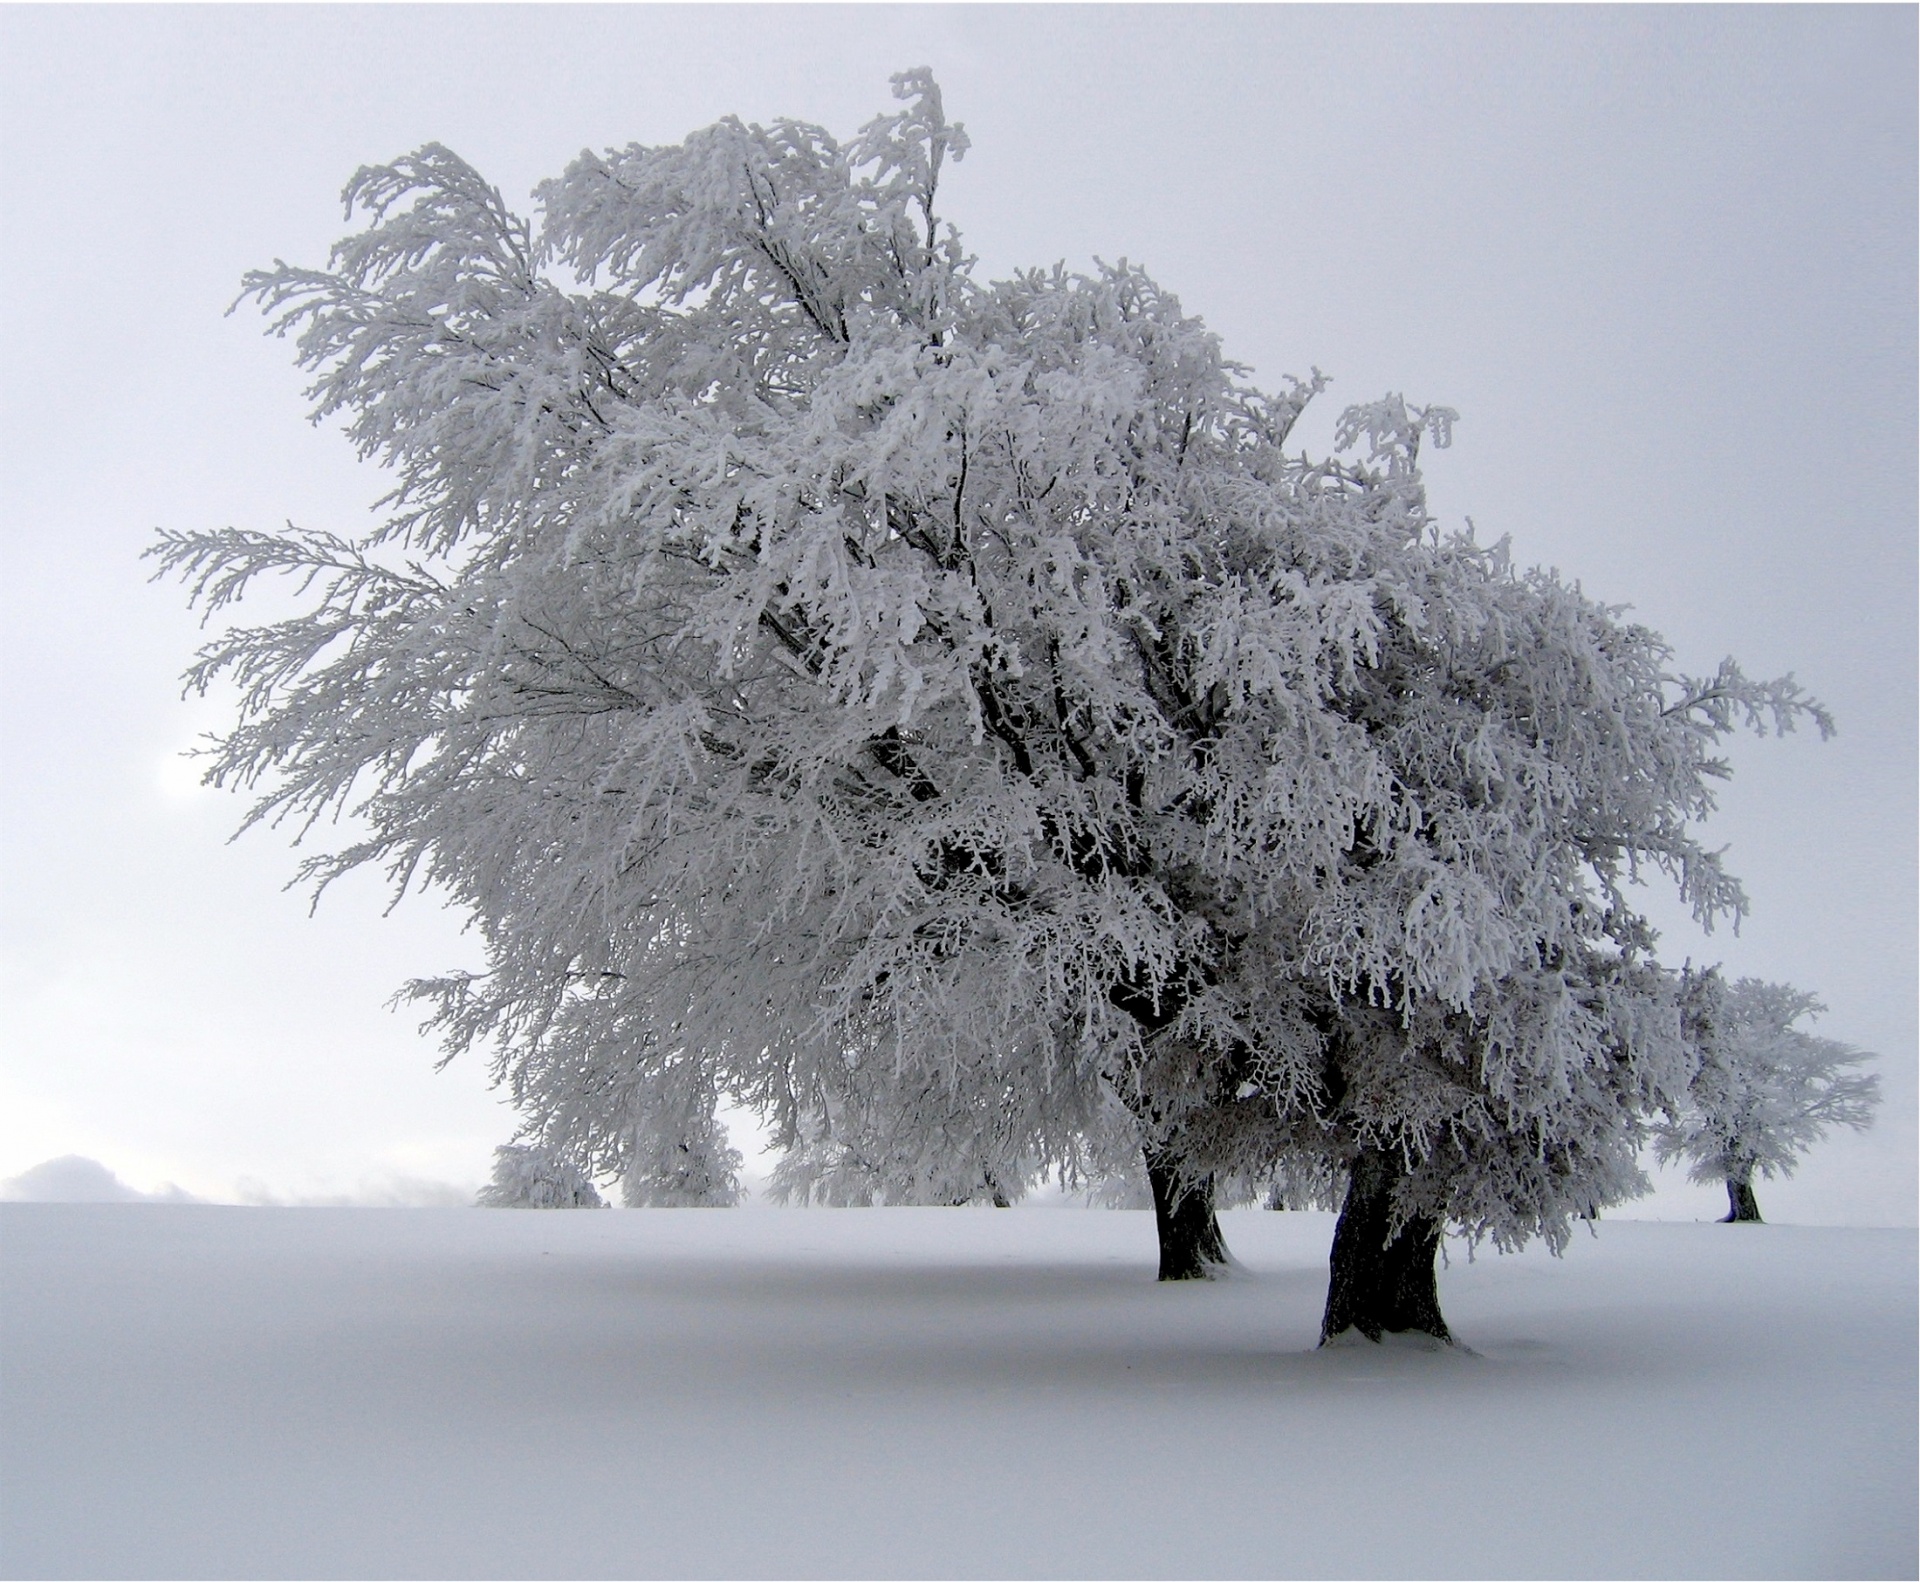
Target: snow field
213,1392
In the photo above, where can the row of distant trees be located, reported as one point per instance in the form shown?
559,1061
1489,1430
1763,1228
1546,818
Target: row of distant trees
1765,1089
943,717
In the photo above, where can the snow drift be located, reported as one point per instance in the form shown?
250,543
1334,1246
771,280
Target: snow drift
210,1392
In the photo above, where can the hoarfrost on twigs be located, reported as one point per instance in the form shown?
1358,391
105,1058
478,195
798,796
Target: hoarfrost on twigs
940,716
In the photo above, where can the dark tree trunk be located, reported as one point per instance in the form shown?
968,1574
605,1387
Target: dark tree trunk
1380,1285
1191,1246
1743,1207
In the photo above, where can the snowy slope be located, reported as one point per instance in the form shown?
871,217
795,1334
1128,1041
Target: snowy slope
197,1391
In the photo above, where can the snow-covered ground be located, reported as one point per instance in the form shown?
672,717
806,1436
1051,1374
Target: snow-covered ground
209,1392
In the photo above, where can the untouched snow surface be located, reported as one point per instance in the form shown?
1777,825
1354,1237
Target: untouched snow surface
214,1392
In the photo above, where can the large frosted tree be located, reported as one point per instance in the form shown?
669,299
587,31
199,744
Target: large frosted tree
942,716
792,650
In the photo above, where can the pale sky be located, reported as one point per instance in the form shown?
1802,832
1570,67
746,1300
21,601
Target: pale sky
1662,262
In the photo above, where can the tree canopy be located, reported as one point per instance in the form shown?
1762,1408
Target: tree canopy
942,715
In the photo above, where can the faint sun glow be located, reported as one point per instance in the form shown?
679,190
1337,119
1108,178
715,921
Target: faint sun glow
177,776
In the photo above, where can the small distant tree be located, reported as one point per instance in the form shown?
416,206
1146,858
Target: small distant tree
678,1154
1766,1089
877,1136
619,1101
525,1176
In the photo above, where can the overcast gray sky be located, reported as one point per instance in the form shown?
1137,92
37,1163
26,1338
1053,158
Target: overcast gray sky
1662,261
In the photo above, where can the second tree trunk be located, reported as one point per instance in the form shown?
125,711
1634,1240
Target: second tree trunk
1191,1246
1742,1206
1380,1284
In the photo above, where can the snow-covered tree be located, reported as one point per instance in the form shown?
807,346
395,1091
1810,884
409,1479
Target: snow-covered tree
676,1152
1501,1033
941,716
527,1176
1766,1089
783,650
615,1094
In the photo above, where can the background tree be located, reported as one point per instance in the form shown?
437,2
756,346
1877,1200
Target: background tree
1766,1089
527,1176
905,1143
